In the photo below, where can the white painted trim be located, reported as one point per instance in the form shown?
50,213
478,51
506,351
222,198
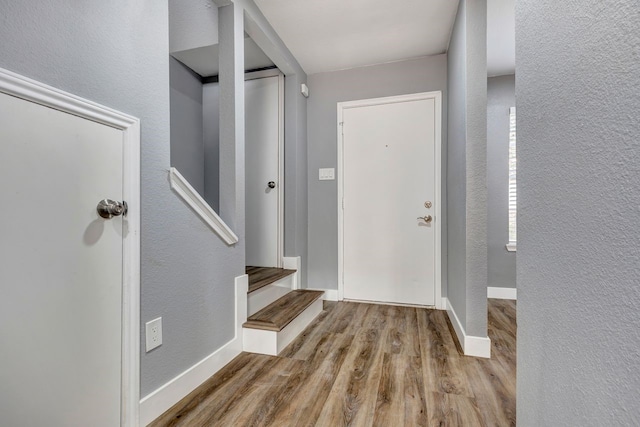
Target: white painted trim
39,93
437,96
281,172
273,72
195,201
294,263
512,246
502,293
272,342
260,341
157,402
329,294
471,345
393,304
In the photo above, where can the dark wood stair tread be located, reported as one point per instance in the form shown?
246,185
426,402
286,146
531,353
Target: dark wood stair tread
282,311
260,277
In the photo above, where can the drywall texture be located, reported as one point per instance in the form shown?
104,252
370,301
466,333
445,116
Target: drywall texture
187,140
579,197
211,134
295,113
457,167
295,132
326,90
193,24
116,53
501,95
467,167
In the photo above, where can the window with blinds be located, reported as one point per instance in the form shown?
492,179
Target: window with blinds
513,189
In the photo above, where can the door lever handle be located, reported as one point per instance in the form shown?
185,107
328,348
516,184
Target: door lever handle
426,218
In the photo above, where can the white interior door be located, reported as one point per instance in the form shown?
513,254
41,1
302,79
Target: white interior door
61,267
389,179
263,175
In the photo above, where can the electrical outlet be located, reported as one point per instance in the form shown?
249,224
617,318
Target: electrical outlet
153,333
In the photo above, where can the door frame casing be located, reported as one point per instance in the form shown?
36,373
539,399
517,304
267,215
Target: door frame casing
30,90
261,75
342,106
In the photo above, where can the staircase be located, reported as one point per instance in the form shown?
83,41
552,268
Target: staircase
278,311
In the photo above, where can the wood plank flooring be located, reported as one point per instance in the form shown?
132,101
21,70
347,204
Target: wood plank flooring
281,312
260,277
365,365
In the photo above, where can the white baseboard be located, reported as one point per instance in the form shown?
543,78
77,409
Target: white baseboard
157,402
329,294
502,293
471,345
293,263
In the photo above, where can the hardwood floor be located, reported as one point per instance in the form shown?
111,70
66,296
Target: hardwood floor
365,365
281,312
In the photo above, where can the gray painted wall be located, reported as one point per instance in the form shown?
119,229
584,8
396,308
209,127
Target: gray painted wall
467,167
192,24
326,90
187,147
211,134
501,95
579,197
116,53
295,134
457,167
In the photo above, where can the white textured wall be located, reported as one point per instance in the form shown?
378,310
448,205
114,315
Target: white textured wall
577,94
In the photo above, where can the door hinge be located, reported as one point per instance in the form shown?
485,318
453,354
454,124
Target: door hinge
343,203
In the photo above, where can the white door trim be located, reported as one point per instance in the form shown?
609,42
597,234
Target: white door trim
261,75
437,96
31,90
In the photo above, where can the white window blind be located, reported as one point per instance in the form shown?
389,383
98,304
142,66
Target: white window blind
513,189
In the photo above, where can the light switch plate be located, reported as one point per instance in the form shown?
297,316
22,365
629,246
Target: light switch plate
153,333
326,174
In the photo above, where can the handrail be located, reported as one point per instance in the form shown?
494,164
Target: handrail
200,206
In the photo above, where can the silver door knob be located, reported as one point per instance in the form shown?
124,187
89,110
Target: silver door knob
271,184
108,208
426,218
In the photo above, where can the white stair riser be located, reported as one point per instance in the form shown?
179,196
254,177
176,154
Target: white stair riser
271,342
259,299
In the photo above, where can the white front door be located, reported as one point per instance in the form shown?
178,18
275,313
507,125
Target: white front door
61,268
263,178
388,181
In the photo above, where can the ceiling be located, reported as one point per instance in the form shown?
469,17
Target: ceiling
330,35
204,60
501,37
